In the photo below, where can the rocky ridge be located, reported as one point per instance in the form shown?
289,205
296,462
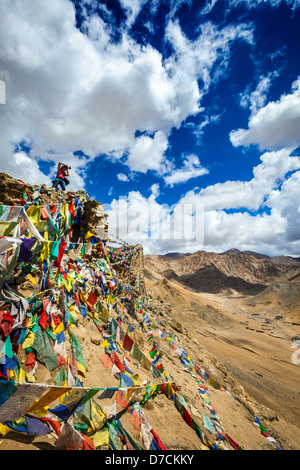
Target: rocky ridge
244,269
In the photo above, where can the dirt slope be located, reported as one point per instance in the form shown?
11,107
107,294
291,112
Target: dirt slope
251,335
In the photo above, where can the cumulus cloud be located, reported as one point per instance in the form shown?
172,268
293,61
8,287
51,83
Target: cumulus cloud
248,194
191,168
147,153
122,177
275,125
70,89
260,215
159,227
30,168
155,190
286,201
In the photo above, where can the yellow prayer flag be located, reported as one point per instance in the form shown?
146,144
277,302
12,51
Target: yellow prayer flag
50,396
13,376
32,279
81,367
62,397
105,344
3,430
29,340
59,328
98,416
41,412
100,438
22,375
34,213
67,284
136,380
45,251
203,447
88,234
104,315
31,378
170,390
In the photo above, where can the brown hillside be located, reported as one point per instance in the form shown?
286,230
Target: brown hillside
242,266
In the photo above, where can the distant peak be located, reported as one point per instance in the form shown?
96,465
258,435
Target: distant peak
232,251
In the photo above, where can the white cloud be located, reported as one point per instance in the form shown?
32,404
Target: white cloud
191,168
122,177
184,227
256,3
155,190
158,227
275,230
68,91
286,201
28,167
249,4
147,153
248,194
132,9
257,98
195,59
274,126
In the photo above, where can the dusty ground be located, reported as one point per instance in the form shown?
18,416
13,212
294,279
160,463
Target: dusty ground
256,352
232,341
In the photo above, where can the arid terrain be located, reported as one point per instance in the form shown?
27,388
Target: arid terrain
245,309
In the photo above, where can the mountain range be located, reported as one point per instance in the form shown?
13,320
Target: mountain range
248,273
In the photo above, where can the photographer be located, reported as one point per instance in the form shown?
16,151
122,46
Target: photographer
61,176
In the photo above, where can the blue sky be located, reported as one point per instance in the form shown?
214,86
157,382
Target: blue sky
181,117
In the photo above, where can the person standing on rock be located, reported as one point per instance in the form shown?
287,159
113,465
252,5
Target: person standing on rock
61,176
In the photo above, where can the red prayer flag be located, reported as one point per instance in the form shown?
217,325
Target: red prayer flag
92,299
116,360
87,443
157,440
121,400
127,343
61,250
30,363
187,417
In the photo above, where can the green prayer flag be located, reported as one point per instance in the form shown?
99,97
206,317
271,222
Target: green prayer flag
77,350
153,353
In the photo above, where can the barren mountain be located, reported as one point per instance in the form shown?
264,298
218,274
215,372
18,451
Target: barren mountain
244,308
212,272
